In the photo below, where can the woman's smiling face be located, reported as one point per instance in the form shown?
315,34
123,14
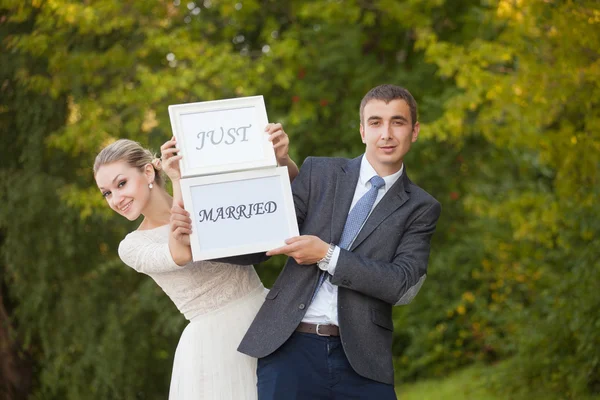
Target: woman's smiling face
125,188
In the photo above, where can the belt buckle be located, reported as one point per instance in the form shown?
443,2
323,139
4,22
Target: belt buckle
321,334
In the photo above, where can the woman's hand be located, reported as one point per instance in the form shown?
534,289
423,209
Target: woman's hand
181,224
170,159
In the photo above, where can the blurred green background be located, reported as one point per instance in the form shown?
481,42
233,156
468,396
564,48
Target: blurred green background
509,95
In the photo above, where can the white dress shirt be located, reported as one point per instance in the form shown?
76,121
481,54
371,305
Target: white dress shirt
323,309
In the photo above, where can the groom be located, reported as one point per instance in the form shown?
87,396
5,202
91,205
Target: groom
325,329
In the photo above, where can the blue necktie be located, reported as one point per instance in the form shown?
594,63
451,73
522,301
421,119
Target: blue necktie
360,212
356,219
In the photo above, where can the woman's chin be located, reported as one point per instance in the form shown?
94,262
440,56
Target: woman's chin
131,216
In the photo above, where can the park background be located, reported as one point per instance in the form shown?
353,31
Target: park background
508,94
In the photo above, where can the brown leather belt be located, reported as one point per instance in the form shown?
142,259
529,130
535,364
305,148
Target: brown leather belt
318,329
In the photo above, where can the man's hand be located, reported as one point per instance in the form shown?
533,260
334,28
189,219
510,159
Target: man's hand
304,249
181,224
281,145
281,142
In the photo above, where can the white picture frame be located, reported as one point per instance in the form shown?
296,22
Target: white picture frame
239,213
222,136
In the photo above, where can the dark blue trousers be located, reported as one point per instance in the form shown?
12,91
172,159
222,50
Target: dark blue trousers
312,367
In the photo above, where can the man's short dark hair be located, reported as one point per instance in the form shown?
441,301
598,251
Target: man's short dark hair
388,93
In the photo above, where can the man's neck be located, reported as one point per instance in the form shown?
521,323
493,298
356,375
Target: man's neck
384,170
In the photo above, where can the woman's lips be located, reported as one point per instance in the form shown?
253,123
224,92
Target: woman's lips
127,207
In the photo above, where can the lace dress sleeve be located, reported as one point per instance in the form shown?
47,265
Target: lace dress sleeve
146,254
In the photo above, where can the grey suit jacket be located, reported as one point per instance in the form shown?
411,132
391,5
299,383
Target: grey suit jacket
385,266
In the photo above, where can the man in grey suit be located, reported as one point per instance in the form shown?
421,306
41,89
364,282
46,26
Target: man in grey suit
325,329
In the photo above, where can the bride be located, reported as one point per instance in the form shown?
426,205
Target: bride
219,299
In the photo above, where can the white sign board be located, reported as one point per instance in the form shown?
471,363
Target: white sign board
222,136
239,213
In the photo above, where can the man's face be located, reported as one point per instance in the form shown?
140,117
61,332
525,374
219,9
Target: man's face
388,133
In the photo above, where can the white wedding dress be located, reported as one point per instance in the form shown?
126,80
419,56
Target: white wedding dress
220,301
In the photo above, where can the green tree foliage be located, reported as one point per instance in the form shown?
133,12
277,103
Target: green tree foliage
530,91
508,94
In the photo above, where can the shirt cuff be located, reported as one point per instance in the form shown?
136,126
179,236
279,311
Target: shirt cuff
333,262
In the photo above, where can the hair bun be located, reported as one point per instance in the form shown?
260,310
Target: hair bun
157,164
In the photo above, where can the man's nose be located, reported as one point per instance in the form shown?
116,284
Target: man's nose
386,132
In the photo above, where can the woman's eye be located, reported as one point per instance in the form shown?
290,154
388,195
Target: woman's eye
105,194
122,183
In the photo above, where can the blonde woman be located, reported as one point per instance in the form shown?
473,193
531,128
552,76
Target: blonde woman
219,299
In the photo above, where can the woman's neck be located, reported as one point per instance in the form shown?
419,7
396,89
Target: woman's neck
158,210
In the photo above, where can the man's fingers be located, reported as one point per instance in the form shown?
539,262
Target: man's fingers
293,239
275,135
271,127
281,250
276,251
281,141
280,144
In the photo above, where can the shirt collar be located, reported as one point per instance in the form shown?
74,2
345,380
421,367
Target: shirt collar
367,171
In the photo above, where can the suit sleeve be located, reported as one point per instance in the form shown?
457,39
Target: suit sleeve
245,259
301,191
396,282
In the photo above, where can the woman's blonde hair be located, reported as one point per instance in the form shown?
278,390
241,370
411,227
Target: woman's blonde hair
133,154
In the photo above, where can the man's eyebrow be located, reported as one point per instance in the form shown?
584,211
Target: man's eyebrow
394,117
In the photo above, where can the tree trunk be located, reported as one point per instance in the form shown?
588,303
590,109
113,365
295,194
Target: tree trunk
15,365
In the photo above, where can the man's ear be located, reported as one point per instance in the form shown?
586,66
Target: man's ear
362,132
415,132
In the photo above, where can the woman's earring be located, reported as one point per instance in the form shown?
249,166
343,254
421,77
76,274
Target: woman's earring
150,185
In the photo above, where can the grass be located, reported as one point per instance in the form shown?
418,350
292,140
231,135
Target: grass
471,383
467,384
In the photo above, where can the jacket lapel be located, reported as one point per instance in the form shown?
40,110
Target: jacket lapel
344,192
393,199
